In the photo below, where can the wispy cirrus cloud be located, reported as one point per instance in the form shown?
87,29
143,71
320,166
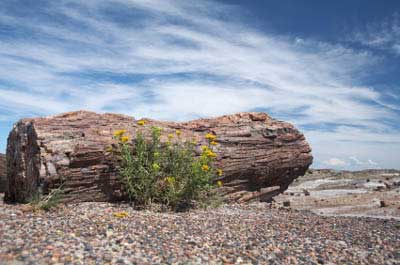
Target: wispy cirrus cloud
383,35
185,59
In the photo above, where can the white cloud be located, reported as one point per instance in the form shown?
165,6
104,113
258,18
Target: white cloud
182,61
355,163
355,160
335,162
352,163
372,162
381,146
382,35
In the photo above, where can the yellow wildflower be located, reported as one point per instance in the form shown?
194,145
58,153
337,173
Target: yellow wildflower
120,214
119,133
156,166
156,154
141,122
170,180
210,153
178,132
205,168
211,136
213,143
124,139
219,172
204,148
109,149
219,183
170,136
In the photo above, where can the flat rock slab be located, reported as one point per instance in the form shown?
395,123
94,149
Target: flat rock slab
254,151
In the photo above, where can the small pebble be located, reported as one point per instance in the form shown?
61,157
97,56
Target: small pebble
89,233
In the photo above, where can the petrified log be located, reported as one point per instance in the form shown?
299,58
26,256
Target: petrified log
3,177
254,150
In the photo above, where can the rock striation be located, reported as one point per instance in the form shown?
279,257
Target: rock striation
260,156
3,177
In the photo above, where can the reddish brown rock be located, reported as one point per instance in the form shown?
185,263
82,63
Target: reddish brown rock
255,151
2,173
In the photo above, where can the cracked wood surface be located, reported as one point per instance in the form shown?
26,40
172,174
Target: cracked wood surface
2,173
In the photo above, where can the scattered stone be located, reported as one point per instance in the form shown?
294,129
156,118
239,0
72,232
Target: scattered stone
387,185
89,233
379,188
379,202
346,193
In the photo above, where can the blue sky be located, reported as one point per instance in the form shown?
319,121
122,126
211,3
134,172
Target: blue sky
329,67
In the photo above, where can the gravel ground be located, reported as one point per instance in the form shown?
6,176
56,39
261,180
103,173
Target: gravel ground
89,233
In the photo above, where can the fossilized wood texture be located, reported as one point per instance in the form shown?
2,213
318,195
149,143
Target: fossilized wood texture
3,177
260,156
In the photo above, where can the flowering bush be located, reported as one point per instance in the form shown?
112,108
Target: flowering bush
168,173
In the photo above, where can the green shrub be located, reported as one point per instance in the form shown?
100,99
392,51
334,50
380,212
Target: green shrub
168,173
